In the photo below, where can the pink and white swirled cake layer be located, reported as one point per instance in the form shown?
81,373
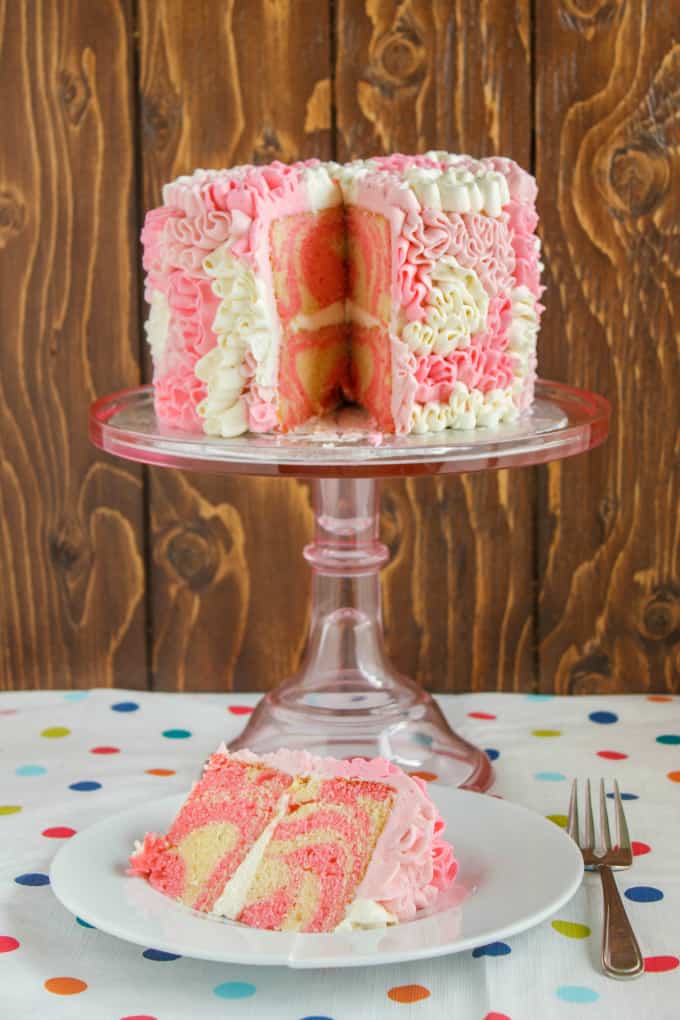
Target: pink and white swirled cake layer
288,841
409,284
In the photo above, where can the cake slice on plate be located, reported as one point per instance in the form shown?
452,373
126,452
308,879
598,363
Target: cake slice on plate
291,842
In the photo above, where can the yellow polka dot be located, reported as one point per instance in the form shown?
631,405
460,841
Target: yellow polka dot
547,733
560,820
55,731
9,809
571,929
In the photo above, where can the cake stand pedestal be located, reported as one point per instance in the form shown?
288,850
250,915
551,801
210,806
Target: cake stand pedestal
347,699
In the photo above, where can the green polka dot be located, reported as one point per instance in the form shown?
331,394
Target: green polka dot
560,820
546,733
571,929
9,809
55,731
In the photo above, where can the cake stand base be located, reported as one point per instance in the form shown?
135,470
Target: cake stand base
347,700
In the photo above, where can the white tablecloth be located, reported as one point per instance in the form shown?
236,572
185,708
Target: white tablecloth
69,759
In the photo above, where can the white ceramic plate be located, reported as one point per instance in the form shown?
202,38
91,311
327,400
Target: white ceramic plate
516,869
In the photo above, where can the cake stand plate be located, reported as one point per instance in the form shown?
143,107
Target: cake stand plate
347,700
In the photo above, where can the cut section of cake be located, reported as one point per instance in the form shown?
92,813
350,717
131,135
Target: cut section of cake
291,842
407,284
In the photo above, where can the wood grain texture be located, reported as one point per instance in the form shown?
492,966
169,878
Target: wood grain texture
71,597
225,83
410,76
608,150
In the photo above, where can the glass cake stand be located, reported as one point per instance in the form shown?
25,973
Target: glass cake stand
347,699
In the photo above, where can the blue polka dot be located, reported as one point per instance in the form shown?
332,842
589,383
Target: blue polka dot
576,993
358,697
176,734
540,697
315,1018
643,894
235,990
83,924
159,956
550,777
75,695
125,706
668,738
85,786
604,718
625,796
30,770
492,753
424,739
493,949
32,878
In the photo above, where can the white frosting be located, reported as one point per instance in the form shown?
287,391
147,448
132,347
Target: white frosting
233,897
242,324
322,191
354,313
365,914
523,334
331,315
455,309
454,189
157,325
466,409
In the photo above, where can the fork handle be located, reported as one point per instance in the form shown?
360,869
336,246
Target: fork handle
621,956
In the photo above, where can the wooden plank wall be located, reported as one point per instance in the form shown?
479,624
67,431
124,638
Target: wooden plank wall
560,578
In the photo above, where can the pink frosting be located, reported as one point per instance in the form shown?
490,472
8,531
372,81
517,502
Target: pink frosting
412,862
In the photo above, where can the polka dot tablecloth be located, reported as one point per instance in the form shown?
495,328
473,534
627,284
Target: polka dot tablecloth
69,759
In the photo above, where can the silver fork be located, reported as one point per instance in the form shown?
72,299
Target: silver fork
621,956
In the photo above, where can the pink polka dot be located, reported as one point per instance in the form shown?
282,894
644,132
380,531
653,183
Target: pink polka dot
8,944
104,750
59,832
481,715
139,1016
612,755
8,711
240,709
661,964
639,849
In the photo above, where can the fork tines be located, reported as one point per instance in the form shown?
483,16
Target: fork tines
622,841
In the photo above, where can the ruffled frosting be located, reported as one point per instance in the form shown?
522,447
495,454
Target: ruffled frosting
463,239
412,862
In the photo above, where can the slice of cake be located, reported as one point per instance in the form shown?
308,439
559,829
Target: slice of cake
407,284
291,842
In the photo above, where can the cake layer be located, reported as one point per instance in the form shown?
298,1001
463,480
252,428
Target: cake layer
291,842
410,284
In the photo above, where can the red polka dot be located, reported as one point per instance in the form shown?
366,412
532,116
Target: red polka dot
160,772
660,964
139,1016
612,755
496,1016
104,750
659,697
65,985
639,849
59,832
481,715
408,993
240,709
8,944
8,711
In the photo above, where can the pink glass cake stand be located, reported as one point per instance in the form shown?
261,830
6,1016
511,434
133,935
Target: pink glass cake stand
347,699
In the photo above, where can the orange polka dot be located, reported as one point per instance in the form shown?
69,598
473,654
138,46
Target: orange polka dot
408,993
674,776
65,985
429,777
659,697
160,772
